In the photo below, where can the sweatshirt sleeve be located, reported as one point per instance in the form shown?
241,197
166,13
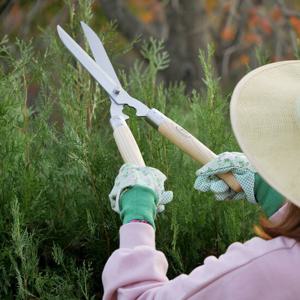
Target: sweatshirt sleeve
136,267
138,271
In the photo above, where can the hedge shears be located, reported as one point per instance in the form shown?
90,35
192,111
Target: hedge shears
103,72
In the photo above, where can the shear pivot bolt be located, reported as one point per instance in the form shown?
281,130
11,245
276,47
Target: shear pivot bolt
116,92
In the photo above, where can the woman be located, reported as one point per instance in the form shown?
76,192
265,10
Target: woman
265,116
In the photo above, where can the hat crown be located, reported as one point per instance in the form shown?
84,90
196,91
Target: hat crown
265,117
298,111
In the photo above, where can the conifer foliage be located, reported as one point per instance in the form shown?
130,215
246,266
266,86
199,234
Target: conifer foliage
58,161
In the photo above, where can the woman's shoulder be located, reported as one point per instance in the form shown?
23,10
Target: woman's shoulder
257,251
258,247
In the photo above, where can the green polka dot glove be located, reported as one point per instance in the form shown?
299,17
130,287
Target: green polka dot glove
131,175
234,162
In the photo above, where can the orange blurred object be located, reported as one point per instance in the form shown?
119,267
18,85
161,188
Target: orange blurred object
276,13
228,33
244,59
252,38
266,26
295,22
254,20
210,5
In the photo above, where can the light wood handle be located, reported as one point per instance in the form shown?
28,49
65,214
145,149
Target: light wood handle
127,145
194,148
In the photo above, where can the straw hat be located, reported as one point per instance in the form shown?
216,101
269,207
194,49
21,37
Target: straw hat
265,117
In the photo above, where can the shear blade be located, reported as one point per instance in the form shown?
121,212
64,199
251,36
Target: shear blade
115,91
104,62
105,81
99,52
101,58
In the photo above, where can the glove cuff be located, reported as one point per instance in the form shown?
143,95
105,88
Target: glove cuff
138,203
268,198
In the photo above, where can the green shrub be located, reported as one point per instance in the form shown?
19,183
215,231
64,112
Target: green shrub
58,161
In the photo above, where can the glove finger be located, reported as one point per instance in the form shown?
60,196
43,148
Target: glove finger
240,196
165,197
203,183
219,186
160,208
228,196
221,164
156,173
126,166
112,198
231,195
222,196
207,170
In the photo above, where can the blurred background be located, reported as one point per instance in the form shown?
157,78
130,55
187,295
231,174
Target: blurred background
242,31
58,158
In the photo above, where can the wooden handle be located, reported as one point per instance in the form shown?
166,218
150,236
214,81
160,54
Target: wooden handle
127,145
193,147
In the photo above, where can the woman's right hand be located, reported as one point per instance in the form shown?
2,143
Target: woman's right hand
132,175
139,193
234,162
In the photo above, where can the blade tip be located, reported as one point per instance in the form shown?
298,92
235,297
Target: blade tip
59,29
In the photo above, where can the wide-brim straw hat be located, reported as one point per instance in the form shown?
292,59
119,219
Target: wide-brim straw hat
265,117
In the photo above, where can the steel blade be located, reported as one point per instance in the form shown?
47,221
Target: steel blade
99,52
105,81
103,61
116,92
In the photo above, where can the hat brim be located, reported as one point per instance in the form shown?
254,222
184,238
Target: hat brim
266,123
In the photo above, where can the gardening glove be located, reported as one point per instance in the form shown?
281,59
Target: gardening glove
255,188
234,162
139,193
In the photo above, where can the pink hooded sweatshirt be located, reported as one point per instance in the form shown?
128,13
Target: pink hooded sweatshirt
257,269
